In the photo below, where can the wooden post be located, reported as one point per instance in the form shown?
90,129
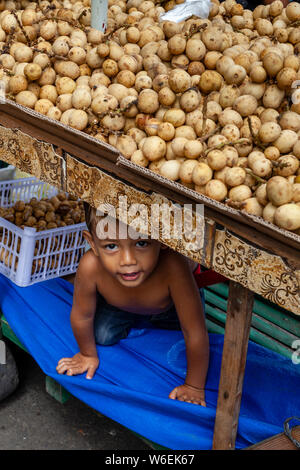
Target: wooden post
237,329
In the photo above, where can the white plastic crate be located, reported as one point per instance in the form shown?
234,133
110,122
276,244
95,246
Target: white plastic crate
28,256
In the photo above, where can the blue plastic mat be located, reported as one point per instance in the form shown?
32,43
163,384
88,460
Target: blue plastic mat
132,383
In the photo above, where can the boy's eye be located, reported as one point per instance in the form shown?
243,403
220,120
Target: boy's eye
142,243
111,246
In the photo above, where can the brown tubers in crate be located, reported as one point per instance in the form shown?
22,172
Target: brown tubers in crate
46,214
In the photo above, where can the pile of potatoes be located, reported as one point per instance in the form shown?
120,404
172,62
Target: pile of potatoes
45,214
209,103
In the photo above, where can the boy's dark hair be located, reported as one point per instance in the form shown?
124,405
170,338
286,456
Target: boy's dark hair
92,217
88,211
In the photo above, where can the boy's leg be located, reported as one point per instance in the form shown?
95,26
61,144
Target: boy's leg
166,320
111,325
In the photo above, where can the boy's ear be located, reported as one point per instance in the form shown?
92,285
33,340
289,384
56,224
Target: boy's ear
89,238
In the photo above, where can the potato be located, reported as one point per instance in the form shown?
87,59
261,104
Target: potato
166,131
154,148
81,98
17,84
235,75
189,100
287,216
195,49
26,98
170,169
126,145
193,149
202,174
235,176
216,159
78,119
245,105
148,101
286,141
178,146
230,116
67,69
216,189
290,120
48,92
268,212
65,85
296,192
186,171
139,159
261,194
279,190
240,193
210,80
179,80
288,165
253,207
228,95
43,105
175,117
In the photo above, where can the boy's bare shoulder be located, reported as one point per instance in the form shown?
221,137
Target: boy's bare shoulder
89,264
175,262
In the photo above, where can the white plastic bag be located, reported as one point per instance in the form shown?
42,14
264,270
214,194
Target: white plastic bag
187,9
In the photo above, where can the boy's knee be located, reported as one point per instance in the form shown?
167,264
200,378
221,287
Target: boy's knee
105,337
108,336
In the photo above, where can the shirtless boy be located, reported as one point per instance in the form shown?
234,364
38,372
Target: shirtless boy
121,281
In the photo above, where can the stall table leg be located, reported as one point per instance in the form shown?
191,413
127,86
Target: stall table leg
237,330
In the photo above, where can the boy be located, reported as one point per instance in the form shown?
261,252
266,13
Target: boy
121,281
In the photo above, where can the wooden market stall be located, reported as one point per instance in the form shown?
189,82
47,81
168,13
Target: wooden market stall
256,257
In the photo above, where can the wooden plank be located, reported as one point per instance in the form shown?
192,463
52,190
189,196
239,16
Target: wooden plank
215,321
290,254
263,307
237,330
265,325
9,334
277,442
56,390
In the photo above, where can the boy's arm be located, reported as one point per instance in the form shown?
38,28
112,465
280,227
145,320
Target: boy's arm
82,321
84,307
187,301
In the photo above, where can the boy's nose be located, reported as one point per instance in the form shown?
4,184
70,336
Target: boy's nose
127,258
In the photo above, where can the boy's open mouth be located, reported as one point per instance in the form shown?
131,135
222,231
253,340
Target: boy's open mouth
130,276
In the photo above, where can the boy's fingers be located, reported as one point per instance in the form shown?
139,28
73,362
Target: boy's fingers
65,360
66,367
173,394
62,369
75,370
91,372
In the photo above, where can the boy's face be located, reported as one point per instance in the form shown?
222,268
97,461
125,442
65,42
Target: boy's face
129,261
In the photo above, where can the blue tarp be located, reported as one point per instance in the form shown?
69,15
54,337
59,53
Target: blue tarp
132,383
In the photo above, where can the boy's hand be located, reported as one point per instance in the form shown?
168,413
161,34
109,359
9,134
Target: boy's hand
189,394
78,364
